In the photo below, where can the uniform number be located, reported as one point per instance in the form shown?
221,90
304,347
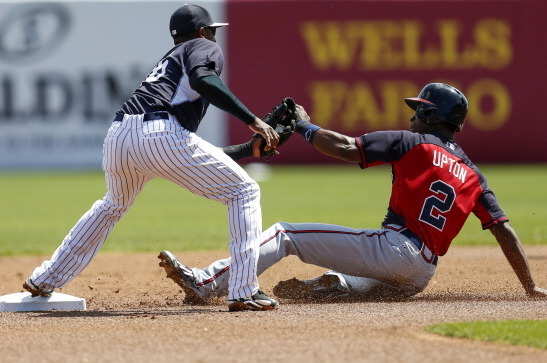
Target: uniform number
157,72
435,205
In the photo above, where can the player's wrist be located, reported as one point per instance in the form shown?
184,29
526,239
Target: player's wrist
300,124
306,129
240,151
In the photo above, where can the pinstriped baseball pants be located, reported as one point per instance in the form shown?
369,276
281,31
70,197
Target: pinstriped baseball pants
134,152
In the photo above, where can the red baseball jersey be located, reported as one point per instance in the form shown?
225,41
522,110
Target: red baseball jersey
435,185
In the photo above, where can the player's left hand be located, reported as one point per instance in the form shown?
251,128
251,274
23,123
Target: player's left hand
301,114
259,147
282,119
537,292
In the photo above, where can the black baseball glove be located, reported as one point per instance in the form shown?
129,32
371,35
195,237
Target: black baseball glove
282,119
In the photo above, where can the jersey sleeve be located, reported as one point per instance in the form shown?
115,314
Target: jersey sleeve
384,147
203,52
488,210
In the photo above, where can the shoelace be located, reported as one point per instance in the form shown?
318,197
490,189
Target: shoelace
260,292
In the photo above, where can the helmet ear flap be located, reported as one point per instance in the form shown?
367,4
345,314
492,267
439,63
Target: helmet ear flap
420,114
426,115
429,115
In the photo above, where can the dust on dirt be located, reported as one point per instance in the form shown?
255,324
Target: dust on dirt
136,314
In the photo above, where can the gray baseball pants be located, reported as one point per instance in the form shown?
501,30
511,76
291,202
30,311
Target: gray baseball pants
365,258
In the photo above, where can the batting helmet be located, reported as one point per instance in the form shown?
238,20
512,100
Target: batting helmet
440,102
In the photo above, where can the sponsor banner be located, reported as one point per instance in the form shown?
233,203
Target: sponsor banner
67,67
351,63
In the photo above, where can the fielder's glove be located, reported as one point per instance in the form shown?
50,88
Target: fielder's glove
282,119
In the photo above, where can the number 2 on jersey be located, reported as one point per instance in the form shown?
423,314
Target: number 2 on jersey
434,205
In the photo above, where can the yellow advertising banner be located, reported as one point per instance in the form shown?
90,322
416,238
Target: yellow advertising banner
351,64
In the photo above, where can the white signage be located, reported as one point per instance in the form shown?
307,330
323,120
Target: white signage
67,67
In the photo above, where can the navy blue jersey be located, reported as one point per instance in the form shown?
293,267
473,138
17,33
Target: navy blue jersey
167,87
435,185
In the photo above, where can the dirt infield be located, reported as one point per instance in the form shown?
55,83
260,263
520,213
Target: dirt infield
135,314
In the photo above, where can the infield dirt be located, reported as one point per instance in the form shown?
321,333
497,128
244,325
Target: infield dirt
135,314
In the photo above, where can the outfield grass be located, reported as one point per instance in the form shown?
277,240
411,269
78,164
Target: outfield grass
531,333
38,209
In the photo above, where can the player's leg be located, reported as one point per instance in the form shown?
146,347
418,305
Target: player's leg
372,288
88,235
334,285
202,285
205,170
375,254
313,243
376,261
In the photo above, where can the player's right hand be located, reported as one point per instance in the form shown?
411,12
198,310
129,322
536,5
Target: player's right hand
267,132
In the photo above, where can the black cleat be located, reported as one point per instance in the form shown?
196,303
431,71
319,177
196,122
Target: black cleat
259,301
35,290
184,277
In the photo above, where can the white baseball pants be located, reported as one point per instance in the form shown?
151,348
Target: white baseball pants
136,151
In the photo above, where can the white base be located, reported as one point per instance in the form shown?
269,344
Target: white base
22,301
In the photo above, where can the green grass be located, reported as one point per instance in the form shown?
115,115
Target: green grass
532,333
38,209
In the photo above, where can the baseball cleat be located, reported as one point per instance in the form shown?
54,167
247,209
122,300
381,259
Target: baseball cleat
184,277
322,287
35,290
259,301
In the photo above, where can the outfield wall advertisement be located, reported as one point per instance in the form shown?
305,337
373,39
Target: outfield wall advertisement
351,63
67,66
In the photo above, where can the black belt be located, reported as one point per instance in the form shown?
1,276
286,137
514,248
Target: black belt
150,116
419,244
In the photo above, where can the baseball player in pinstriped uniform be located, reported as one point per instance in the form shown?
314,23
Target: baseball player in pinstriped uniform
435,188
153,135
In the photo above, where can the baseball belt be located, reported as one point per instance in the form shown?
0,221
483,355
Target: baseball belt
150,116
433,259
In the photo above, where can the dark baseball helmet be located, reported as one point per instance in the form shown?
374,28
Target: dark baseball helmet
440,102
188,18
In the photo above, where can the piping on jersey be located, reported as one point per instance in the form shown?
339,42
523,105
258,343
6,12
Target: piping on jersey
221,272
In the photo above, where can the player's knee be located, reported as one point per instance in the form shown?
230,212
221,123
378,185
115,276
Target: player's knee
253,185
283,231
250,190
112,207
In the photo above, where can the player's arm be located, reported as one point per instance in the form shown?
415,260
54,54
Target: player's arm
208,84
328,142
240,151
512,249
